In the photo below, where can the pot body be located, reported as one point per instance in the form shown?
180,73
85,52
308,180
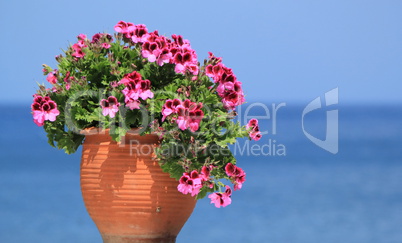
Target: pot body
126,193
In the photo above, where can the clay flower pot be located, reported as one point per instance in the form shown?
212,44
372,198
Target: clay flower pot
125,191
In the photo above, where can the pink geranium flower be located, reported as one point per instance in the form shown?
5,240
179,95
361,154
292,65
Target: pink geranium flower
110,106
132,104
188,114
185,59
82,37
228,87
190,183
254,129
167,109
43,108
180,42
135,89
143,88
140,34
134,76
182,122
156,48
236,174
77,48
164,57
81,42
125,28
52,78
195,119
150,51
255,135
106,45
170,107
100,38
206,172
139,89
252,123
78,53
221,199
205,175
215,71
239,180
185,185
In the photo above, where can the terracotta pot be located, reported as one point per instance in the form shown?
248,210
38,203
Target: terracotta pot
126,193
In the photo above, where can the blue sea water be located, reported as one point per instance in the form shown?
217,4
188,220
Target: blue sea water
305,195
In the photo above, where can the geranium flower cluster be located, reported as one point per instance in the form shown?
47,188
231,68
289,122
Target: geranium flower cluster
160,49
110,106
136,33
135,88
238,177
102,39
193,182
236,174
188,114
229,88
43,108
99,39
77,47
254,129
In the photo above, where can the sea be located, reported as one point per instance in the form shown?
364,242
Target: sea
312,178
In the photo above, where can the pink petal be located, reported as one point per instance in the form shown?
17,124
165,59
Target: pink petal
182,123
151,58
179,68
105,111
133,104
51,116
194,126
226,200
146,94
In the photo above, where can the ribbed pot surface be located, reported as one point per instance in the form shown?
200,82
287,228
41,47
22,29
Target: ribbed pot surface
127,194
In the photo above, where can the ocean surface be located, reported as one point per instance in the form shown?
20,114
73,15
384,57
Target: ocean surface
295,191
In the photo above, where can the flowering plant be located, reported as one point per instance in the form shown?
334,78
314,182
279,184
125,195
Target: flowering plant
140,79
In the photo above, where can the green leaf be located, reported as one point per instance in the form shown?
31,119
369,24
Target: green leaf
117,133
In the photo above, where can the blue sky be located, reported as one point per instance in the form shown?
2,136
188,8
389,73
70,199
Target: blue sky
282,51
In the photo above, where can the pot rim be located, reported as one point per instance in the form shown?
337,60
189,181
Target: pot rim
101,131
